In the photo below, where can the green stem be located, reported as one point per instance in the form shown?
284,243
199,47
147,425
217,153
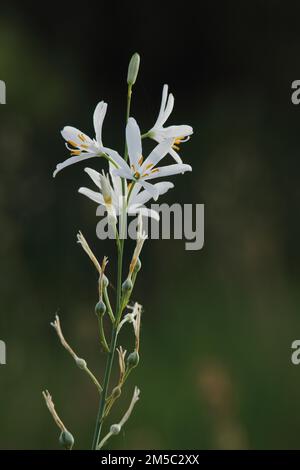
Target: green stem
114,335
110,359
130,191
109,309
102,335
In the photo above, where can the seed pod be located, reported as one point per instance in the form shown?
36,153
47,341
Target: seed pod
81,363
133,69
138,266
116,392
100,308
105,281
127,285
115,429
66,440
133,359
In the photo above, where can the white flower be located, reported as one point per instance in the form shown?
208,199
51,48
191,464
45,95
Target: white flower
160,133
141,237
81,145
141,171
137,198
107,194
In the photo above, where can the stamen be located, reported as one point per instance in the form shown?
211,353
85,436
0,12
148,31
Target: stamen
141,160
81,137
71,142
150,165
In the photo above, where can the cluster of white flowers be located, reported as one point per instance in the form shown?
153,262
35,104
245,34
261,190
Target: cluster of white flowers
139,171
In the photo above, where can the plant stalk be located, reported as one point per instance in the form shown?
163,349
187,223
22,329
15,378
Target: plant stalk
114,334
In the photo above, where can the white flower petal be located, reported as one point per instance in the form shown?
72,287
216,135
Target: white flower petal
174,131
145,212
150,188
168,109
123,173
71,134
93,195
98,118
116,181
159,152
134,142
135,191
71,161
159,120
94,175
120,162
164,187
175,156
144,196
169,170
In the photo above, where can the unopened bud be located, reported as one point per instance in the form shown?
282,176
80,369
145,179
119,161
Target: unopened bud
100,308
115,429
133,69
133,359
127,285
66,440
81,363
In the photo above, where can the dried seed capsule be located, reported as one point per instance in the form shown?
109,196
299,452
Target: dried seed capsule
66,440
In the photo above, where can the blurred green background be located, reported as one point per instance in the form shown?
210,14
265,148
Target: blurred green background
218,324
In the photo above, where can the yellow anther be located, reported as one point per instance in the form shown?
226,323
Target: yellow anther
150,165
81,137
107,200
71,142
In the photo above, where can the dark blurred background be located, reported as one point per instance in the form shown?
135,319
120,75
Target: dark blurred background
218,324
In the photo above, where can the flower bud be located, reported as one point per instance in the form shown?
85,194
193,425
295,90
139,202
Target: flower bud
133,359
66,440
115,429
138,266
133,69
127,285
100,308
81,363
